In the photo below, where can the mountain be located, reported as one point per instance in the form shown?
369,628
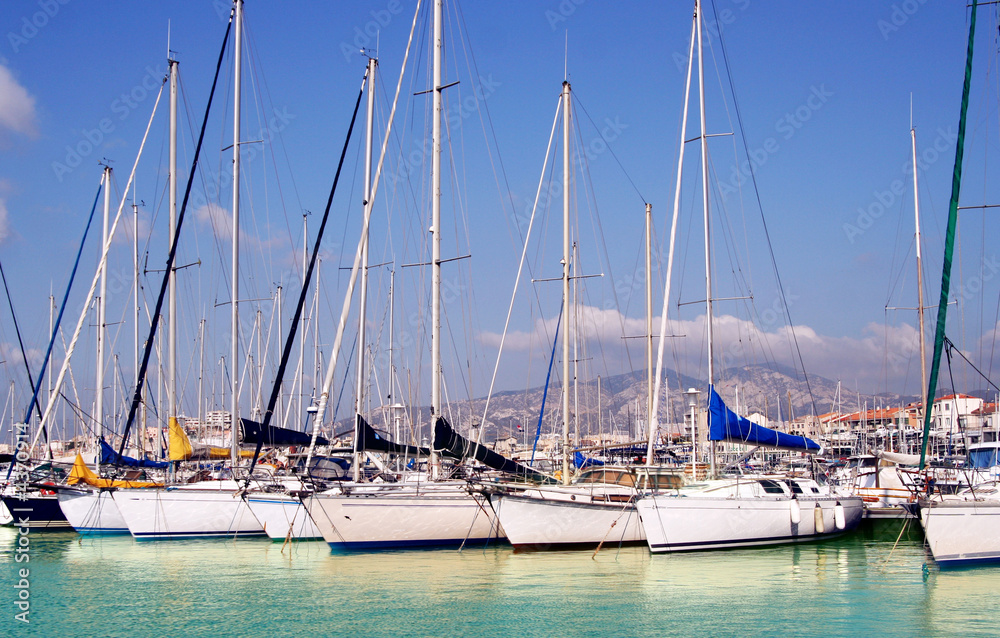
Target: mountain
620,405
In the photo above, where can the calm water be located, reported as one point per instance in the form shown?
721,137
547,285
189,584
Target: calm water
854,586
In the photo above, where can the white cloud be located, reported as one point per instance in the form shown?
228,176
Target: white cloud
884,358
17,106
4,222
218,218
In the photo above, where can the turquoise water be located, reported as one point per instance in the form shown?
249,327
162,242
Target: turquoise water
850,587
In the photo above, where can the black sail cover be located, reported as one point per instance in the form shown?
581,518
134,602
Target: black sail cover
451,443
370,441
273,435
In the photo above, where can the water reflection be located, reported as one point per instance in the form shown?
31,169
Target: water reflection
200,587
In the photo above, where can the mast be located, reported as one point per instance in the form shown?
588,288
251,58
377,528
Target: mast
920,277
436,370
172,275
650,421
102,314
302,341
705,206
234,352
565,281
949,245
359,406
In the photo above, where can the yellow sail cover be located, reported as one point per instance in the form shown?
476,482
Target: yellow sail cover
180,444
83,474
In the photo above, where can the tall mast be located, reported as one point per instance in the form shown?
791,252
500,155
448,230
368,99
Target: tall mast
101,313
565,281
704,196
172,275
705,207
920,279
359,405
302,340
436,370
650,421
234,352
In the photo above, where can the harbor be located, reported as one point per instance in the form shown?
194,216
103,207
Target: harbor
419,333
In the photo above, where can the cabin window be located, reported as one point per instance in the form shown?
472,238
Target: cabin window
771,487
795,487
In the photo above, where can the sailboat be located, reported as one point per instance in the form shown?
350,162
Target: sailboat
210,507
739,511
424,508
598,504
961,528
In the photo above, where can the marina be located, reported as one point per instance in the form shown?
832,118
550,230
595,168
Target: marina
516,375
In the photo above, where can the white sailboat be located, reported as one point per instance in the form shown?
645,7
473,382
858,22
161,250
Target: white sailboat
962,528
425,509
740,511
598,505
214,507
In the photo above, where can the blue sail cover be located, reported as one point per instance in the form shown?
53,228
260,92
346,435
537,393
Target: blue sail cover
110,457
581,461
726,425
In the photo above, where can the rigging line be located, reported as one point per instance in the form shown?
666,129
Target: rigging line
767,234
137,398
607,144
952,346
20,343
956,183
55,329
303,293
596,217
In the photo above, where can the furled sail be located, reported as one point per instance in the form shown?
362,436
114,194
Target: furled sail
254,432
453,444
110,457
726,425
370,441
83,474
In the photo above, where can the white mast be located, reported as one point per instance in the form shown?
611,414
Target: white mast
302,339
673,225
359,406
436,370
172,275
234,352
650,421
565,281
704,195
101,314
920,280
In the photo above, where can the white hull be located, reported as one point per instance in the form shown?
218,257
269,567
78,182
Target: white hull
960,531
92,511
745,513
438,514
207,509
283,517
540,523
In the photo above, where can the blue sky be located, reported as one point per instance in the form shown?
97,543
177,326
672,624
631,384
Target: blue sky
824,92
